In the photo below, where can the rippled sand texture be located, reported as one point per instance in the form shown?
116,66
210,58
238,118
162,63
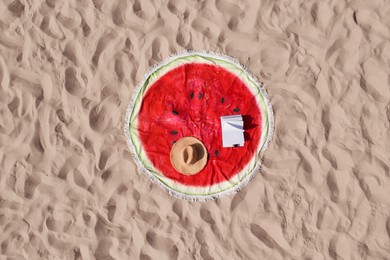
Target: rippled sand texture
69,188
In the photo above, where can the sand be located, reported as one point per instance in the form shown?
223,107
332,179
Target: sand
69,188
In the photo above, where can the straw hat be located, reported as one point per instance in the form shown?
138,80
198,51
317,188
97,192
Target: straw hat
188,155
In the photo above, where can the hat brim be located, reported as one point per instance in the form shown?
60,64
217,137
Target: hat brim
179,164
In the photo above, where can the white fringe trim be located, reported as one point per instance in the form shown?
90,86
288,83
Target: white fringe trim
247,178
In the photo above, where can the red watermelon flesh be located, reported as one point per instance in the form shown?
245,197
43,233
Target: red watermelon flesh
189,101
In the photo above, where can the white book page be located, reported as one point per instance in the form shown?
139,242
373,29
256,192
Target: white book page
232,131
231,139
233,127
231,118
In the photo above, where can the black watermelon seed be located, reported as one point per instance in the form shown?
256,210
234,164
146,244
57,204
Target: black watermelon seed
216,153
192,95
174,132
236,109
174,142
200,95
175,112
222,100
235,145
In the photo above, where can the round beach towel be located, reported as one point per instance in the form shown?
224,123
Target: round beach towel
185,96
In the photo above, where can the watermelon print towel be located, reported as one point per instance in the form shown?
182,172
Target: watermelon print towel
185,96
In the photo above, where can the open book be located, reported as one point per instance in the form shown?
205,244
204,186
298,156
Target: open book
232,131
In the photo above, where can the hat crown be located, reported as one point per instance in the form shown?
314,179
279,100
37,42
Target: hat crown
190,155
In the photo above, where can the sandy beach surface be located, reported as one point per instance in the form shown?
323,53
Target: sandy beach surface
69,188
